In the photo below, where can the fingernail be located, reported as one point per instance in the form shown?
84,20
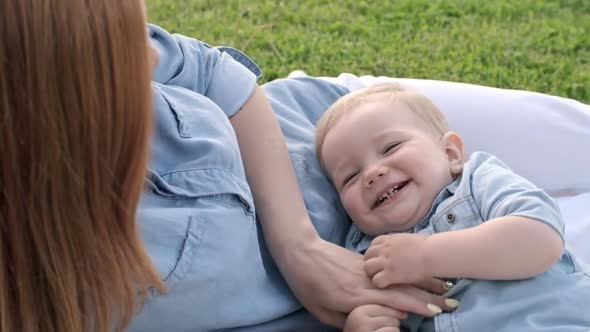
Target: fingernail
434,308
452,303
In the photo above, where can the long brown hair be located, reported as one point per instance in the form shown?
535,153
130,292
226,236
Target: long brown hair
75,119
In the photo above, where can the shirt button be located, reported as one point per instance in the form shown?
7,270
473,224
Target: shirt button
451,218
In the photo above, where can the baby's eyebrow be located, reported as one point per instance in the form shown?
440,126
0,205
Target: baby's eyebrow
342,172
340,165
387,134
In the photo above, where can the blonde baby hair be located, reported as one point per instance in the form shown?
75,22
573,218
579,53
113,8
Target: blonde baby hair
392,92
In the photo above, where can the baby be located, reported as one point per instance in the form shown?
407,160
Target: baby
402,174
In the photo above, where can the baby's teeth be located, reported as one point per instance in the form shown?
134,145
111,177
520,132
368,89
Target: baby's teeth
390,193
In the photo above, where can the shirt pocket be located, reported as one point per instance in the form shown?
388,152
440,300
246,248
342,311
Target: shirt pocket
173,210
208,251
194,113
455,214
214,184
171,235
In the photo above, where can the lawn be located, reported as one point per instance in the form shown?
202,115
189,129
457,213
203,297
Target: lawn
532,45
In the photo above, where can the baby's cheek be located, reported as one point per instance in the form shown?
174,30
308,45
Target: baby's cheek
359,215
351,204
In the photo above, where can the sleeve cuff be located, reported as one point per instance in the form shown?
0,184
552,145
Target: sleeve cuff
231,84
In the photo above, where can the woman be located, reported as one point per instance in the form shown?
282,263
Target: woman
75,95
75,121
219,164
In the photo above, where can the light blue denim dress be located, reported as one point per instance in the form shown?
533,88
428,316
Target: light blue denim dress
197,216
557,300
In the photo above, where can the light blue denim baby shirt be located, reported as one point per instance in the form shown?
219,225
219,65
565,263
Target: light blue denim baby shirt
557,300
197,216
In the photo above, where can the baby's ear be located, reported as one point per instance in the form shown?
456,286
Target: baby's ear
454,149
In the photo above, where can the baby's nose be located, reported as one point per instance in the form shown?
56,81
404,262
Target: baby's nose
373,176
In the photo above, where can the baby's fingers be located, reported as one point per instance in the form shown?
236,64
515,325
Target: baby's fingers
373,266
380,280
374,251
384,321
388,329
379,240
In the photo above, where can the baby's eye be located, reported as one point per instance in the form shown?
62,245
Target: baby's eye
390,147
349,178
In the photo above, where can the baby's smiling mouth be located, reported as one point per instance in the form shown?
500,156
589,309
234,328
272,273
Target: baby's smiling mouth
391,193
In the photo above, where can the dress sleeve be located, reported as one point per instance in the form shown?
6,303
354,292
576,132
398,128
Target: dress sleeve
500,192
224,75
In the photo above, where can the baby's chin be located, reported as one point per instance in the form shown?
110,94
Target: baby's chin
384,222
387,227
403,228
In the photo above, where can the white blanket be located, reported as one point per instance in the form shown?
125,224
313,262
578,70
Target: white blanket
544,138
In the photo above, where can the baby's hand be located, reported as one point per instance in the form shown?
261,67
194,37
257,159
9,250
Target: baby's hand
397,259
373,317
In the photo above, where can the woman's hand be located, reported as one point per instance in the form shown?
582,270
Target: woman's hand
330,282
373,317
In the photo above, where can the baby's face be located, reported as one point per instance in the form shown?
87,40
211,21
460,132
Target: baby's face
387,164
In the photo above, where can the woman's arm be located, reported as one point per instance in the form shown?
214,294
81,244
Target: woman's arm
327,279
271,175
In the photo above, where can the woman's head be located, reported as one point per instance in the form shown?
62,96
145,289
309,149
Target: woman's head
75,120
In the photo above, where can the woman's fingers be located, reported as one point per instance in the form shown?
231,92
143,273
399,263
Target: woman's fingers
438,286
432,285
395,297
335,282
409,299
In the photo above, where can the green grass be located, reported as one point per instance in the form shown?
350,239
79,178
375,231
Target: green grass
532,45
